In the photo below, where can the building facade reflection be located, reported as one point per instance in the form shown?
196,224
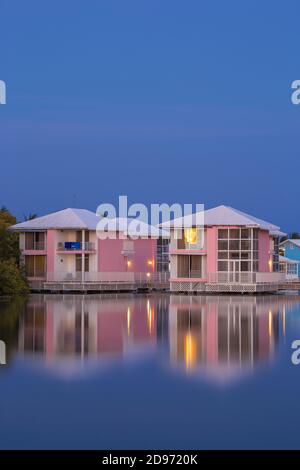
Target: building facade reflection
57,326
219,336
224,335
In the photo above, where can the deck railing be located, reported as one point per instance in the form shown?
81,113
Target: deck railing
244,277
113,277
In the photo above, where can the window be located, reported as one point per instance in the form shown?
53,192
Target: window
35,266
234,244
245,266
78,262
245,233
238,246
222,245
292,269
162,255
223,233
234,233
34,240
246,244
222,266
189,266
191,236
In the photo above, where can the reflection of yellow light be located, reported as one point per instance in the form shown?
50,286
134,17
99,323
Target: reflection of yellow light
190,350
150,262
270,263
150,317
148,274
270,323
129,263
191,236
128,319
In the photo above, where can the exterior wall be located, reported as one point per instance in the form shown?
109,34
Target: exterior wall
111,258
212,249
292,251
264,251
50,251
209,256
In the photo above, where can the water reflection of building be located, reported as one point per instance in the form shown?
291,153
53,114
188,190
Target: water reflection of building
205,335
222,336
62,326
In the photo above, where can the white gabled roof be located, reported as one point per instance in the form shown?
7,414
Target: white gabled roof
65,219
83,219
283,259
295,241
225,215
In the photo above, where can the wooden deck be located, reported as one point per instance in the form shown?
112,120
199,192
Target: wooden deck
96,287
290,285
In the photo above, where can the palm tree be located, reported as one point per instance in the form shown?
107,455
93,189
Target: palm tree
30,216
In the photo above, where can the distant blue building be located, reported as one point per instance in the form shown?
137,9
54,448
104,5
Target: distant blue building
291,249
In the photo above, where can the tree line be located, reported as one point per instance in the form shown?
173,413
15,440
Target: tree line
12,275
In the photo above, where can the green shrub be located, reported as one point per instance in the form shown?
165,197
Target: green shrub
12,281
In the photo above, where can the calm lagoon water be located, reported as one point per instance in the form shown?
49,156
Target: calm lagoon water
152,372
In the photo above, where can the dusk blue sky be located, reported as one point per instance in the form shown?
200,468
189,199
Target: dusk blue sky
162,100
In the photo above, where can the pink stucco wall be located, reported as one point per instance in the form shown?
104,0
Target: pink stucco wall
50,250
264,251
111,259
212,249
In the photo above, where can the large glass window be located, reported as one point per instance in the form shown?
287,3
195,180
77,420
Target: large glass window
189,266
238,250
35,266
162,255
35,241
86,263
191,238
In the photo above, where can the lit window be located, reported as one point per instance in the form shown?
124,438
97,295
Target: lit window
191,236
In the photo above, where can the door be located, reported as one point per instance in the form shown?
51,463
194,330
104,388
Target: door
234,271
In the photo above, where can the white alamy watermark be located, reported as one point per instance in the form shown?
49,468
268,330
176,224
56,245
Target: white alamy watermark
295,97
138,220
296,354
2,353
2,92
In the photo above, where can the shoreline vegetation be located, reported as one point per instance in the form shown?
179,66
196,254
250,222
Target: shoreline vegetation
12,278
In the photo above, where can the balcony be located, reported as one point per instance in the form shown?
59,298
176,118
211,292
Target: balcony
35,246
70,247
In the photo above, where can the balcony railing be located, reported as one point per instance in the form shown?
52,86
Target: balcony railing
76,246
193,274
109,277
35,246
244,277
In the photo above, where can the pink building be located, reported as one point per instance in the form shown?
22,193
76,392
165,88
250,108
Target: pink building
64,247
230,252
